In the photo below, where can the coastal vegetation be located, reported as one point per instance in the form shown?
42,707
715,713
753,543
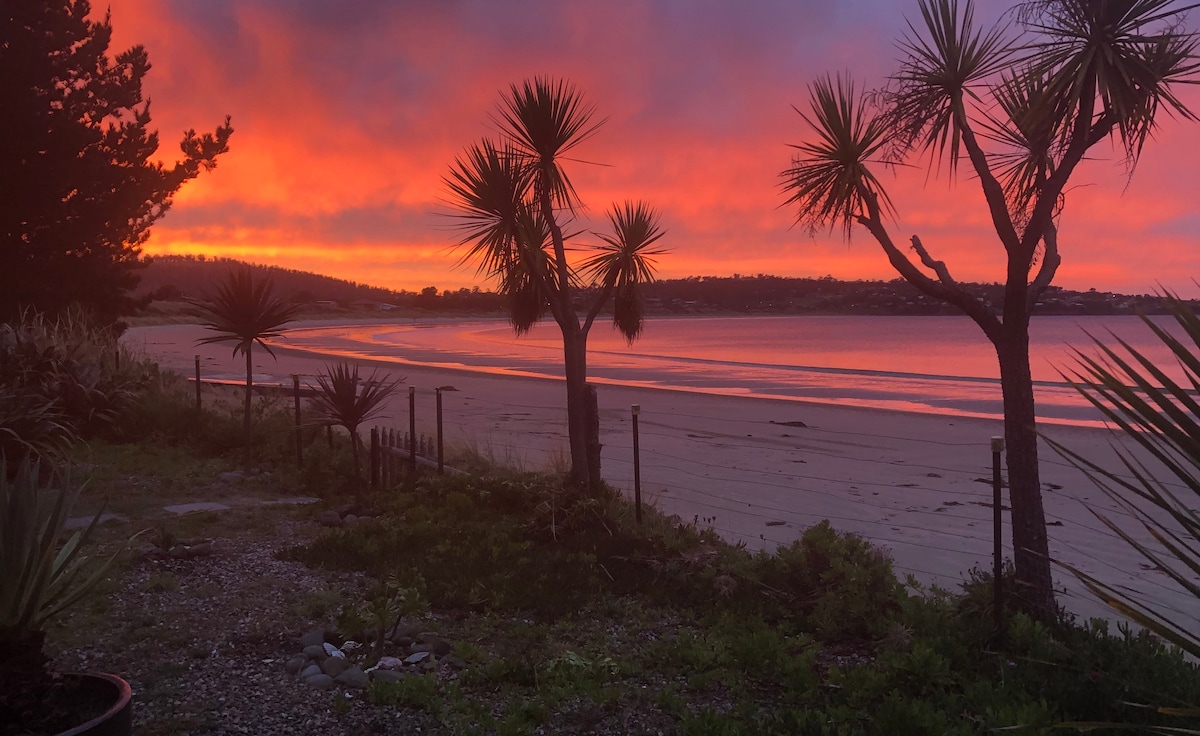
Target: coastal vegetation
557,610
1025,103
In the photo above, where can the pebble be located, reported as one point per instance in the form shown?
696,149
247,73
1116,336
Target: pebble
319,681
310,671
315,651
416,657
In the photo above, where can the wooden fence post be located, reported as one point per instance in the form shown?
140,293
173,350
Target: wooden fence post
637,466
375,458
997,550
299,428
412,429
440,449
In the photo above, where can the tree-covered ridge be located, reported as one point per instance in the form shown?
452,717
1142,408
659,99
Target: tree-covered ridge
177,277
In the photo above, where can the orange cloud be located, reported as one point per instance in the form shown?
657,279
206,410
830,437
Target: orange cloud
347,116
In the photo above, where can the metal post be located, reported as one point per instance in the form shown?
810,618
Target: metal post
637,466
997,550
412,428
299,428
440,449
197,384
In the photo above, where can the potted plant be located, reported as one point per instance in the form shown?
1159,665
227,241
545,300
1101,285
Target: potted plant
40,577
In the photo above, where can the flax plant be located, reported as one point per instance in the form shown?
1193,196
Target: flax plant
344,399
1161,416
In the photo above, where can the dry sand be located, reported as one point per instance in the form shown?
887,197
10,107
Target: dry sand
761,471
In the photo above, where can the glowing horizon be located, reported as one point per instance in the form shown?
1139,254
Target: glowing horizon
346,118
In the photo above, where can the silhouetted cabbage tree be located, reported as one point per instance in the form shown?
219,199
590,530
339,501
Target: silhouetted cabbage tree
1024,102
245,310
344,399
515,205
1162,416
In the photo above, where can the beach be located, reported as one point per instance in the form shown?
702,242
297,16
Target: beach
759,471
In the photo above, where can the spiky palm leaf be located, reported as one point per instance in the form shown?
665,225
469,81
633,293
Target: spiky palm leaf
942,67
1118,59
344,399
488,189
245,310
830,180
1163,417
625,261
545,119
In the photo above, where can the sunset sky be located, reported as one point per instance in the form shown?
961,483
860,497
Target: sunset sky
348,114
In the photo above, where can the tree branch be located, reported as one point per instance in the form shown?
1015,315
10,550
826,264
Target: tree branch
601,299
950,293
993,192
938,267
1050,263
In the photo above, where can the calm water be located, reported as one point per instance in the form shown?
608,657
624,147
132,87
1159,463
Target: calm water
940,365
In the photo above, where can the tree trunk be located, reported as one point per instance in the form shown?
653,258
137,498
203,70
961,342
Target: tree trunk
1031,554
249,391
575,363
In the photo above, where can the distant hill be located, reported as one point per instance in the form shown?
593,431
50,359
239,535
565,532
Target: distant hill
174,278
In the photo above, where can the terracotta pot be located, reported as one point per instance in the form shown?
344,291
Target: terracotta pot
118,719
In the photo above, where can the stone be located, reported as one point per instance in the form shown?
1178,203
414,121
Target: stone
349,518
202,549
390,663
437,644
316,636
310,671
416,657
404,642
457,663
232,476
333,651
334,666
319,681
386,676
330,519
295,664
353,677
315,652
188,508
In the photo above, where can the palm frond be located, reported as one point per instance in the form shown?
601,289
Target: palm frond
545,119
488,188
1116,62
1028,128
244,310
625,261
943,64
1162,416
345,399
830,179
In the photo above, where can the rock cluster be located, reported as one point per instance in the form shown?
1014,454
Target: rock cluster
327,660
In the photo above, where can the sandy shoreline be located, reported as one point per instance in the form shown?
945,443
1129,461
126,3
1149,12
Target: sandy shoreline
914,483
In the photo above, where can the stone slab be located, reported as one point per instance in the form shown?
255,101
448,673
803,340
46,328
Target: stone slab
188,508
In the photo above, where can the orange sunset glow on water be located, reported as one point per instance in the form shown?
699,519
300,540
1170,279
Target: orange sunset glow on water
348,115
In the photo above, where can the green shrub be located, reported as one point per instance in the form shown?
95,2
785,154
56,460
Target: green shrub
842,585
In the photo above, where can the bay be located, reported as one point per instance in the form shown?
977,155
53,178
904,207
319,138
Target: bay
938,365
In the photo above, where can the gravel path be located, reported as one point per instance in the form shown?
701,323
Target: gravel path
203,642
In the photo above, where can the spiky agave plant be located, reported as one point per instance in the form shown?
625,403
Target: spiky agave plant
40,575
245,310
347,400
